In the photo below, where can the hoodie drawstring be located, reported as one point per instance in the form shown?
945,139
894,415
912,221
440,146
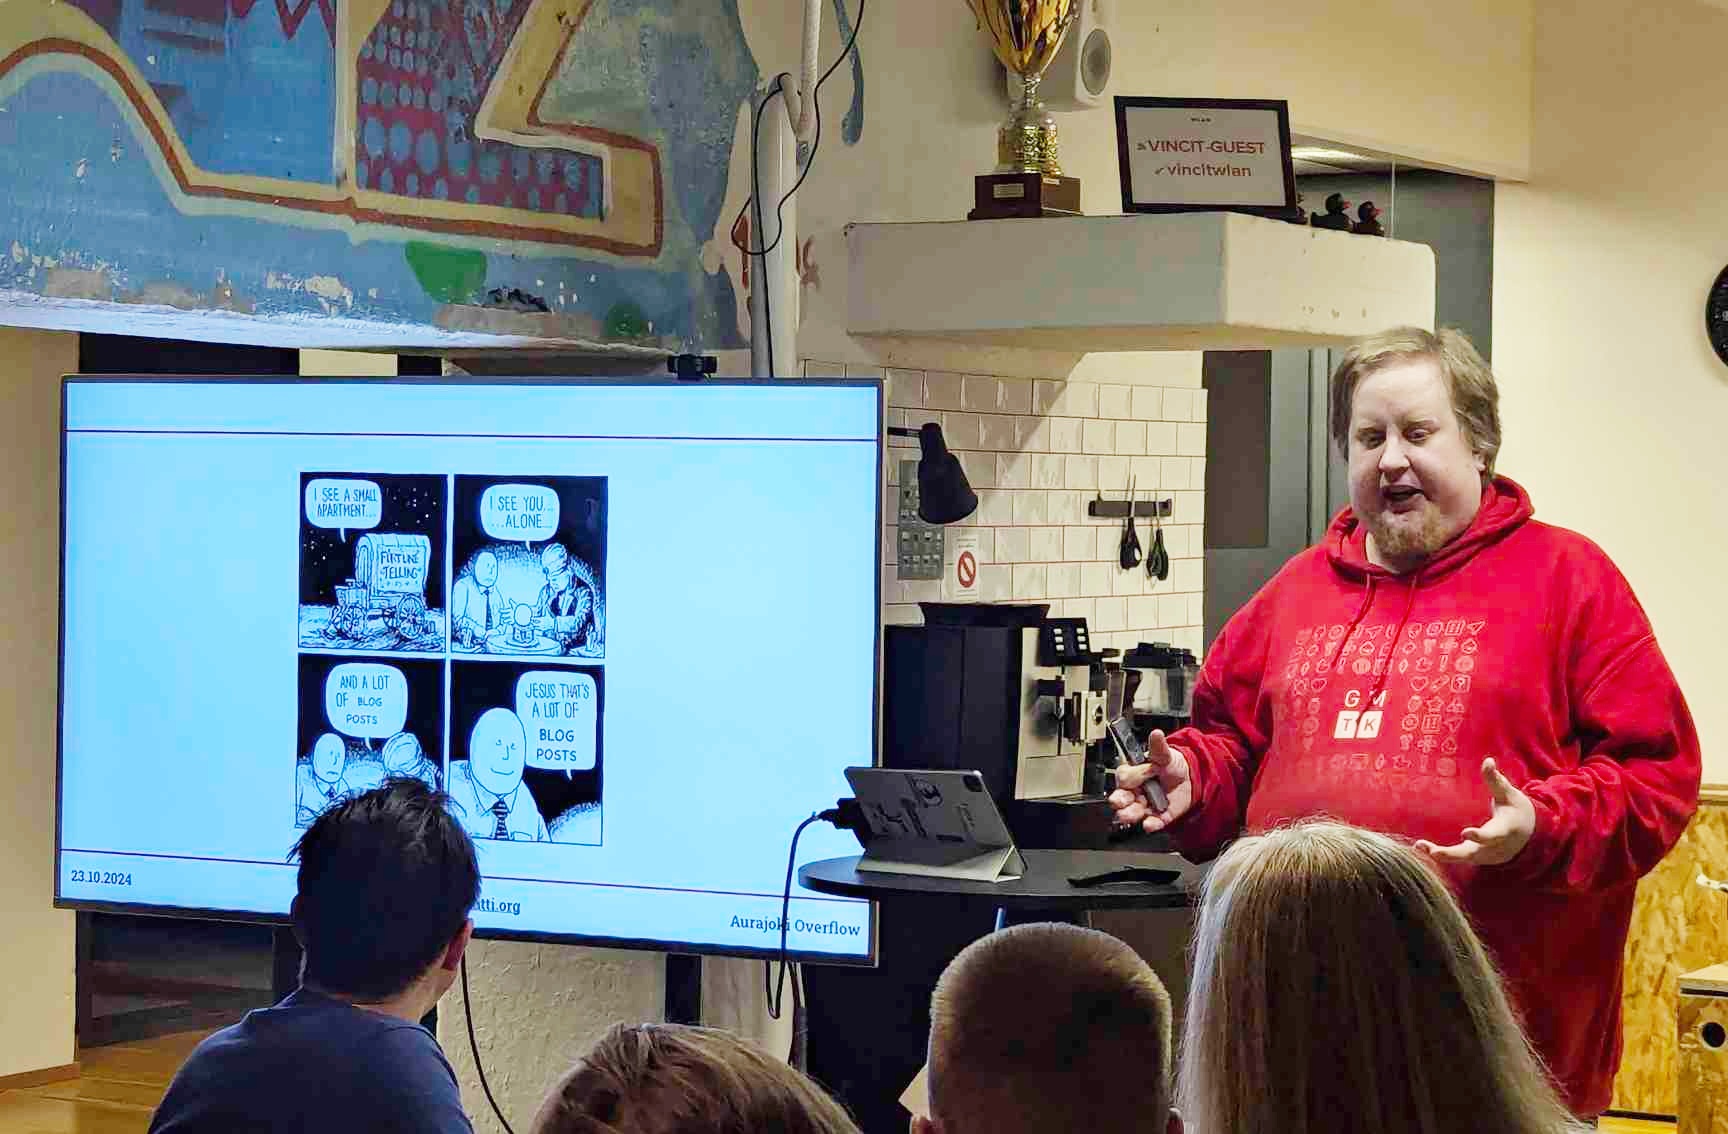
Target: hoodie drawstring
1397,632
1397,636
1355,621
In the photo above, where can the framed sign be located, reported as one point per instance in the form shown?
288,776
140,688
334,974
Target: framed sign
1182,155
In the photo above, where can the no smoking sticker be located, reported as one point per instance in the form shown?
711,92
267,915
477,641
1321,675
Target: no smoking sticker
960,583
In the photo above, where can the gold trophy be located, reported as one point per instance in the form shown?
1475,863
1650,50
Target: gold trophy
1028,182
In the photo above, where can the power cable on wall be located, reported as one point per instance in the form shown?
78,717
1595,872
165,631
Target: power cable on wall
756,183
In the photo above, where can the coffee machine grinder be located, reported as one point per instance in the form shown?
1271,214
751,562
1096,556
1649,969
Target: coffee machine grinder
1159,686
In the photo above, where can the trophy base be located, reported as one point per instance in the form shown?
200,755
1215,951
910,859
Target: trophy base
1001,195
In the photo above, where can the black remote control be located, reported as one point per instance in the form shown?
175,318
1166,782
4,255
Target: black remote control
1133,752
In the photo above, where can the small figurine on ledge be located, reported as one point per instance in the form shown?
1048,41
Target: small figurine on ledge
1337,215
1368,220
1293,214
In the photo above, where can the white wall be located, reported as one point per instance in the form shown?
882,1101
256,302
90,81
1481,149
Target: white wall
346,364
36,951
1445,84
1614,404
536,1008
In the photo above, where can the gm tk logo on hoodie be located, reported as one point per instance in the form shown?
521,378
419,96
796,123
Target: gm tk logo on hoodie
1353,722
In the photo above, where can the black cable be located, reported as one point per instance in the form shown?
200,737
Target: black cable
779,218
815,142
776,987
756,195
800,1020
779,208
474,1049
809,163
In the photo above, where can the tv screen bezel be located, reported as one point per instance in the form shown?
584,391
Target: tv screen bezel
866,959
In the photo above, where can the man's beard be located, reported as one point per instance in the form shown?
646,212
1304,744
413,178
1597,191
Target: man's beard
1405,542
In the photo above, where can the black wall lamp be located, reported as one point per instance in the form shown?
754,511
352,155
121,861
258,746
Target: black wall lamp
944,496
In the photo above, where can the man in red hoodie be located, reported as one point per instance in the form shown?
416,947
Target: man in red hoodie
1447,669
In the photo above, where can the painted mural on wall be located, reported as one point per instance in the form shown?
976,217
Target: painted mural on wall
446,162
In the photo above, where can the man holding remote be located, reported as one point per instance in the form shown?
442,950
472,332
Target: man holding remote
1447,669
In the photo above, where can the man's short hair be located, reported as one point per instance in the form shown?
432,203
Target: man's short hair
676,1079
1469,381
1043,1027
386,882
554,557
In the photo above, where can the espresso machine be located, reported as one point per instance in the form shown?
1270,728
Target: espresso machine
1026,701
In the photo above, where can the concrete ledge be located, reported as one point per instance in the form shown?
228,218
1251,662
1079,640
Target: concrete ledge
1063,287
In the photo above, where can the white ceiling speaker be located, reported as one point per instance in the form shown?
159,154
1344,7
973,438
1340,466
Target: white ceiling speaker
1079,76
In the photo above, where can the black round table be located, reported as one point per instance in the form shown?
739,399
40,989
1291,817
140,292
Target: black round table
1042,893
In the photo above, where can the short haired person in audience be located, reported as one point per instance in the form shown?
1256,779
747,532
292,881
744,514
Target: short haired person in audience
386,880
1043,1028
1337,988
1446,668
674,1079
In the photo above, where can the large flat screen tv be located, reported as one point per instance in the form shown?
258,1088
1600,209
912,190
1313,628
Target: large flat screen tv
632,628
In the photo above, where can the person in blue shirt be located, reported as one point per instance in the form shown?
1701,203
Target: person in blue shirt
386,882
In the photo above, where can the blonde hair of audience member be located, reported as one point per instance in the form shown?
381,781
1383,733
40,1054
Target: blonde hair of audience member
1036,1028
673,1079
1338,988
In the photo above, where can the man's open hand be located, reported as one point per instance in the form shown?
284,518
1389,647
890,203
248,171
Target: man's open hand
1511,822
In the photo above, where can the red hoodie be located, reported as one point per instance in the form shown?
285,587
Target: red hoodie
1344,690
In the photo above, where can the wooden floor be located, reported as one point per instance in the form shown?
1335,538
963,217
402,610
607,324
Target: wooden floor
116,1093
121,1085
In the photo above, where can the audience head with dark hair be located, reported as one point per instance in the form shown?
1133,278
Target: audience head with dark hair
386,882
1033,1029
674,1079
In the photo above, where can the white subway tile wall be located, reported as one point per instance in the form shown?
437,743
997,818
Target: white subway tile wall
1037,453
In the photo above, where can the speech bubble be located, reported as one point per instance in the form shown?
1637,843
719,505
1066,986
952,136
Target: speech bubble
344,504
366,700
519,512
560,712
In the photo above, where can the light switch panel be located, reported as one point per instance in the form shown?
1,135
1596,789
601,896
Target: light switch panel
921,545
